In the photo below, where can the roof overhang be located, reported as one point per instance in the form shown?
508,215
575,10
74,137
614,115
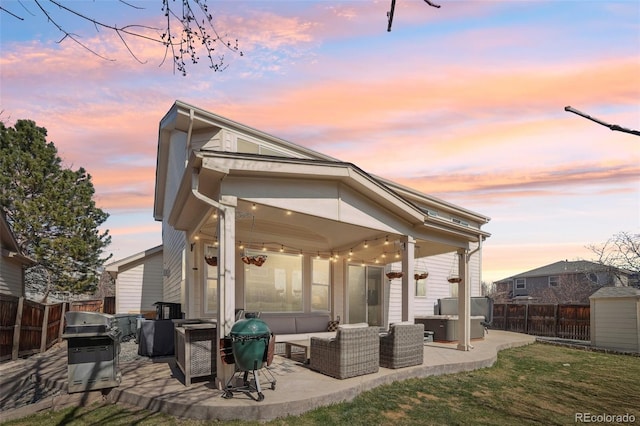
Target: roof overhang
214,167
114,268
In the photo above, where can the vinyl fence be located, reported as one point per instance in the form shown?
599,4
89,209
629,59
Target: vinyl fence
563,321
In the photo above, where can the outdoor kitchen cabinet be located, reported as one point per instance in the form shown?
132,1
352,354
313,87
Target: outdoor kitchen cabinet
195,346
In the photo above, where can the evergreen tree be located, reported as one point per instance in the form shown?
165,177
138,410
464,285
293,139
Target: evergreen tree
50,210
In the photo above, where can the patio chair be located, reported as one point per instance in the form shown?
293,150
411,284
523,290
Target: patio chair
402,346
353,352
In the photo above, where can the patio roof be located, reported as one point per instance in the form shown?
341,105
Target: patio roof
311,206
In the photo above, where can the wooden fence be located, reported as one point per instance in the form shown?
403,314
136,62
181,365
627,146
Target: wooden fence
563,321
28,327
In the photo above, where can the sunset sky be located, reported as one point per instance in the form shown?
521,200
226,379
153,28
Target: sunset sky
465,102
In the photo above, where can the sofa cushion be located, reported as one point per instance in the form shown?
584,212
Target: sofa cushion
312,323
280,324
357,325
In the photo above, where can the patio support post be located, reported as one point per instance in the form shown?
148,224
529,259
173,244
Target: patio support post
464,302
226,281
408,281
226,270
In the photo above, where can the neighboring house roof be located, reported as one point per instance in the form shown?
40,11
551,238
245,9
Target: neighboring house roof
114,268
562,267
10,247
615,292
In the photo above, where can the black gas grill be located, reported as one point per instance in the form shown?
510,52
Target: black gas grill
93,346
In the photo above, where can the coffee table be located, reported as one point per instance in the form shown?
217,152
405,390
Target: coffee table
304,344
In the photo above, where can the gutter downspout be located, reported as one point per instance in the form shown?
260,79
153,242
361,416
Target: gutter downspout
226,272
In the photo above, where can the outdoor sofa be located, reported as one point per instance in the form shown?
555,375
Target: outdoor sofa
297,327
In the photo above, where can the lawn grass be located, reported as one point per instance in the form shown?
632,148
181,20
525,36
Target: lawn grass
535,384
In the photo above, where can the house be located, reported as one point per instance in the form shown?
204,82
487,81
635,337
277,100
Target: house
615,319
139,281
580,277
253,222
12,262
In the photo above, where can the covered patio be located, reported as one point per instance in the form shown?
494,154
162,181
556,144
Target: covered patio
256,223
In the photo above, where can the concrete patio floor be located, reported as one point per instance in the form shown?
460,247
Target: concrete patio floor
157,384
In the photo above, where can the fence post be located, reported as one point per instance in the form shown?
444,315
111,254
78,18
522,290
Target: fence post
45,328
526,318
16,330
556,319
61,328
506,314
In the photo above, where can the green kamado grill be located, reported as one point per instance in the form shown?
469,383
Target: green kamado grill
250,338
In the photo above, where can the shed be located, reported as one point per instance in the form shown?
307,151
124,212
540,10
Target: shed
615,319
138,281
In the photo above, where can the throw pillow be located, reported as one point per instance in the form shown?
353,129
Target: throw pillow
333,325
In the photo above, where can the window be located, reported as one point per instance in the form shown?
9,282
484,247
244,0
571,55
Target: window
520,284
276,286
554,281
459,221
320,271
211,287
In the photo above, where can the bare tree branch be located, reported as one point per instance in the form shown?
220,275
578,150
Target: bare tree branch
10,13
193,33
393,8
603,123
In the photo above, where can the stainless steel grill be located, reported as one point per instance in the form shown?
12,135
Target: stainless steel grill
93,347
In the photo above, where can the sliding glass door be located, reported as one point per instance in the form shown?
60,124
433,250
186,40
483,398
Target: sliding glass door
365,288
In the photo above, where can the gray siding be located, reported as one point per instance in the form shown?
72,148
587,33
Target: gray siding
11,278
140,286
174,241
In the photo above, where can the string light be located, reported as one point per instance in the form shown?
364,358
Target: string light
241,246
253,207
386,240
281,248
366,244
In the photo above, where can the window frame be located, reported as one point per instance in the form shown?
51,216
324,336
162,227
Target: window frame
315,284
520,284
